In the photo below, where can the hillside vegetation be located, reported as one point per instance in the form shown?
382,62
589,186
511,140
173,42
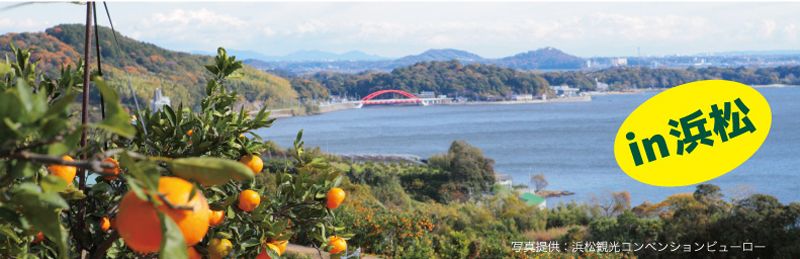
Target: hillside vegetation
449,77
643,77
180,75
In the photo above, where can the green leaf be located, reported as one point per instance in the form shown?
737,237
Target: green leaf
173,246
10,216
52,184
333,176
72,193
61,104
229,201
117,119
270,253
4,69
25,94
286,236
249,243
146,173
70,142
22,169
210,170
39,212
54,127
216,206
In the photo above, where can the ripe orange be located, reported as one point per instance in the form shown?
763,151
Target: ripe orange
189,133
281,245
335,197
65,172
263,254
193,254
219,248
114,171
254,162
105,224
241,135
39,238
138,223
338,244
216,217
249,200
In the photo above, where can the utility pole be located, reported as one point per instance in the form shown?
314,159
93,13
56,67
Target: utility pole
85,112
529,178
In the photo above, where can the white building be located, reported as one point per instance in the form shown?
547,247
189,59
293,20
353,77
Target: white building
426,94
522,97
504,180
158,101
565,90
600,86
619,62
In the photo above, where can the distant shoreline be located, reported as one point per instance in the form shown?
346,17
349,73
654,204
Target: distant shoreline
586,98
286,113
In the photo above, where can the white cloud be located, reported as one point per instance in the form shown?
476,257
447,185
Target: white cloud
194,29
769,27
269,32
195,18
21,25
790,30
594,26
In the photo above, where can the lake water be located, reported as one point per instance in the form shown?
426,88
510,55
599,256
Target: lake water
570,143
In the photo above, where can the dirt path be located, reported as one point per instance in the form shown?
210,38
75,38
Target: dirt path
313,252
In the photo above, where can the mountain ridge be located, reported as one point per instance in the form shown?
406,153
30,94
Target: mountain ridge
543,58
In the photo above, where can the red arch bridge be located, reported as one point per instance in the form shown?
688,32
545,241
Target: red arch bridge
370,99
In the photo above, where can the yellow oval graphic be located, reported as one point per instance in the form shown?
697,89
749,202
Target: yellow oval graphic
692,133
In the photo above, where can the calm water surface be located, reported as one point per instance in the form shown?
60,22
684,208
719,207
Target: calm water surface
571,143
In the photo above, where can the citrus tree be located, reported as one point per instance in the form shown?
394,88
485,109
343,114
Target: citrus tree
174,183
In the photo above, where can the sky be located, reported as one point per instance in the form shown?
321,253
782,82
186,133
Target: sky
489,29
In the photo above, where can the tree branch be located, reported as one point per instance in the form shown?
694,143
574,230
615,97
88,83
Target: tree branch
96,166
101,250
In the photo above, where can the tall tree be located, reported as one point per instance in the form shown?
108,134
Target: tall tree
538,182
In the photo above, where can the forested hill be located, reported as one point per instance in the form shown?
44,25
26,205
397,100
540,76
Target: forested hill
180,75
544,58
620,78
449,77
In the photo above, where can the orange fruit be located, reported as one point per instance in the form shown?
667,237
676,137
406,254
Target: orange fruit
263,254
216,217
39,238
105,224
335,197
281,245
193,254
189,133
254,162
249,200
138,223
114,171
338,244
65,172
241,135
219,248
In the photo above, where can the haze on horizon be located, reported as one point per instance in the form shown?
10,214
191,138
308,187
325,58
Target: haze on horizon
394,30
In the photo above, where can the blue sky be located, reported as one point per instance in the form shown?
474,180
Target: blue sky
397,29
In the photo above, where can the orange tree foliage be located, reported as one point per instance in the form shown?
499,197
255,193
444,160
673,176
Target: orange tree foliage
37,132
